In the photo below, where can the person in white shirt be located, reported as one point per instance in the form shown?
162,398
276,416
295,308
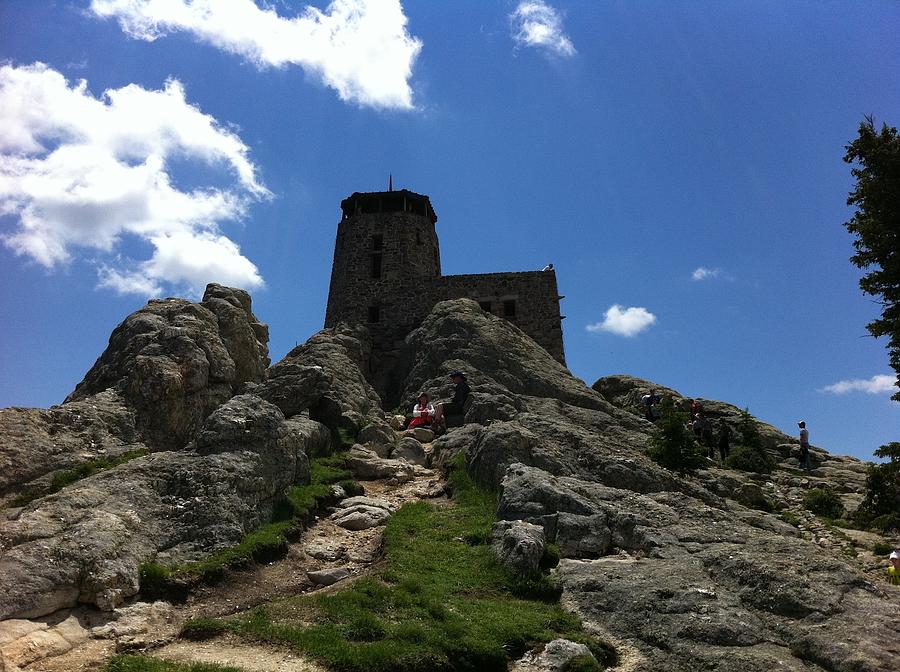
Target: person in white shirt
423,412
804,445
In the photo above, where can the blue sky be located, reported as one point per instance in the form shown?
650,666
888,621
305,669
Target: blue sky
629,143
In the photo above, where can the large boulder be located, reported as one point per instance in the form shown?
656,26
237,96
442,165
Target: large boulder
342,355
518,545
86,543
173,362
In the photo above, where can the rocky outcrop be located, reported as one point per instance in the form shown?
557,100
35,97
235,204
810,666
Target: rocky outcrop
173,362
86,543
37,444
342,355
672,567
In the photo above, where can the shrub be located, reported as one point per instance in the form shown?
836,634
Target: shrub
882,548
744,458
750,455
881,498
581,664
823,502
673,445
790,518
889,522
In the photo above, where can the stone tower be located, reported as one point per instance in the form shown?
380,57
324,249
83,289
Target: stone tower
387,276
386,258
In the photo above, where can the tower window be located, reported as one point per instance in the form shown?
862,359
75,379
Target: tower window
376,267
418,237
374,314
377,242
509,308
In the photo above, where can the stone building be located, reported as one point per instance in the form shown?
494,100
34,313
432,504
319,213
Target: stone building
387,275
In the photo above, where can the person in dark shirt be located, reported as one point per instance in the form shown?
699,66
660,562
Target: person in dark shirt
455,406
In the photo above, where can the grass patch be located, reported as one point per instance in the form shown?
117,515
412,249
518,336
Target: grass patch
264,544
147,664
790,518
68,476
440,602
200,629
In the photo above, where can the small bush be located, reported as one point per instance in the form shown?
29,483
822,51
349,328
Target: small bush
351,487
200,629
673,445
790,518
823,502
582,664
889,522
882,548
744,458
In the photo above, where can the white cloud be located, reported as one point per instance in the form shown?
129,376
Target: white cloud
624,321
880,384
77,171
360,48
703,273
537,24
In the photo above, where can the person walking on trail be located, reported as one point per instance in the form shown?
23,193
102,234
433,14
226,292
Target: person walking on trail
423,412
724,440
455,406
894,569
804,445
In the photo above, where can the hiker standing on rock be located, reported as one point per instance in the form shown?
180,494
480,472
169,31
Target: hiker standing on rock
804,445
724,437
455,406
894,569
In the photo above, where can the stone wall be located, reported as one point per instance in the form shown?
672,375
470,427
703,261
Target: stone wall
529,299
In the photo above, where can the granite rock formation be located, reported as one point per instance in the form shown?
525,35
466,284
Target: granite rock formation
672,568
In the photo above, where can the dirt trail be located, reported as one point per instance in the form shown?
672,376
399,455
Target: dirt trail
324,545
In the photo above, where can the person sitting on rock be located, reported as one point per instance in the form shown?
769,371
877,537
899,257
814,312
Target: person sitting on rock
423,412
894,569
455,406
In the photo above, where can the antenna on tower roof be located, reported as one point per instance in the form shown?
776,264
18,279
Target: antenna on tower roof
390,182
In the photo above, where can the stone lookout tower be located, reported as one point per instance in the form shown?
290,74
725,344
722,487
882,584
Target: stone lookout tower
386,275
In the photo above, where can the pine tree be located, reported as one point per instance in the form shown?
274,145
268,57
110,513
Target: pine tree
674,446
876,225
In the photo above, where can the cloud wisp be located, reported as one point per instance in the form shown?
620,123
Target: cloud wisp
538,25
880,384
703,273
623,321
359,48
85,173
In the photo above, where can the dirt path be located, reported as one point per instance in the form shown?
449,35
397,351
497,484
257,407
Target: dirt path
88,638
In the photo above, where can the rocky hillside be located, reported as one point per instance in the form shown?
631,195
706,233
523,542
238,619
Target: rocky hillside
181,440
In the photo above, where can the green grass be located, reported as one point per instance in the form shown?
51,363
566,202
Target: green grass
147,664
790,518
439,603
68,476
264,544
